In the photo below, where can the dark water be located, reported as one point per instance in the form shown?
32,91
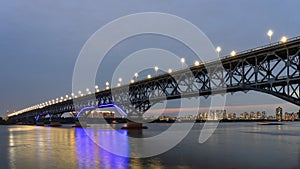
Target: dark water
233,145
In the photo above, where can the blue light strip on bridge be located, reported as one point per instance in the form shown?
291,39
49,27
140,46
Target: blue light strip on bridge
37,117
102,106
123,112
85,108
115,106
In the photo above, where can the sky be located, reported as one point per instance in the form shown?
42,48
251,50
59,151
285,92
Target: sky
41,40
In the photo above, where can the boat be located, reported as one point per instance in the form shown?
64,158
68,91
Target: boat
134,127
80,124
55,124
270,123
114,122
40,123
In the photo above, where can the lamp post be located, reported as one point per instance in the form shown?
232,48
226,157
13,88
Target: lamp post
270,34
87,91
182,60
156,69
136,75
283,39
107,85
232,53
218,49
120,81
96,88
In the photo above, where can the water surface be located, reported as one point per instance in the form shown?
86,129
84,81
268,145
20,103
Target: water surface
233,145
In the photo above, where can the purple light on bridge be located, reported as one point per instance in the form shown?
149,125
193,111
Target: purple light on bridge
102,106
83,109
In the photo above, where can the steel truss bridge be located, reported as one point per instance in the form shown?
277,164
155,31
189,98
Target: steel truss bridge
273,69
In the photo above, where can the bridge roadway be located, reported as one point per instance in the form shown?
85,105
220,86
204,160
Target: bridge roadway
272,69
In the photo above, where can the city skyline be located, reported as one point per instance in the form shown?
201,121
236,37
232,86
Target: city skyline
39,47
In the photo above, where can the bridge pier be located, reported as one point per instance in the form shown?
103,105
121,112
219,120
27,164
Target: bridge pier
54,120
80,124
40,120
134,124
81,117
39,123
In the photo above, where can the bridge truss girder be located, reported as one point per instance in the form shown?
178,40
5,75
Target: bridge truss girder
273,70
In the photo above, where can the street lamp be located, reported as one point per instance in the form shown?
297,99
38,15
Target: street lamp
232,53
169,70
132,81
270,34
182,60
149,76
156,69
218,49
120,80
283,39
97,88
197,63
80,93
119,84
136,75
107,85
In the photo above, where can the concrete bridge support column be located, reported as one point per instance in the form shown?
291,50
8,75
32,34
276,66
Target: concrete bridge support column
134,123
54,120
81,119
40,120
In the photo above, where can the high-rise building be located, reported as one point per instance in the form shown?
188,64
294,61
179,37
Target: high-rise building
279,113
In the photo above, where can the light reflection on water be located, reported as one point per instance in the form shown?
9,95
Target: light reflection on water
233,145
91,156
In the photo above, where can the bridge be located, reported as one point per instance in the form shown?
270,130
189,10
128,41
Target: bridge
273,69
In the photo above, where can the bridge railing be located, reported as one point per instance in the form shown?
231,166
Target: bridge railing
265,46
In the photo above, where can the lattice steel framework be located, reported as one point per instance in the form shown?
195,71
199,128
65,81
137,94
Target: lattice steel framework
273,69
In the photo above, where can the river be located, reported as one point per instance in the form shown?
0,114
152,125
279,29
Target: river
232,145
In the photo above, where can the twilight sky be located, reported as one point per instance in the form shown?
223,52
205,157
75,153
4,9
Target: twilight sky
40,41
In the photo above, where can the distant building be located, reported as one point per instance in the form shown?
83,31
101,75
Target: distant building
278,113
108,114
263,115
216,114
